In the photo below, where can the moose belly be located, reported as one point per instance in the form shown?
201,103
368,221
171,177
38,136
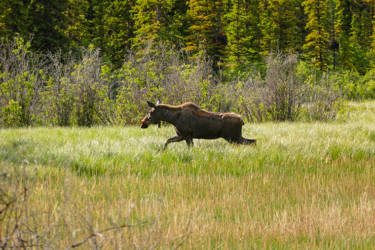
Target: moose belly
206,136
207,130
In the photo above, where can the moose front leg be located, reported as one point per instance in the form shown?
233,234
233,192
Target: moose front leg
173,139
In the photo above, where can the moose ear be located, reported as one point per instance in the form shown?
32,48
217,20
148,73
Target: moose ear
151,104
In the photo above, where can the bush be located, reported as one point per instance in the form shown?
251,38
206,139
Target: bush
12,114
57,98
355,86
282,91
21,83
285,94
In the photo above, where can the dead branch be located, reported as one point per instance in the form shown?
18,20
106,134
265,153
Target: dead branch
100,233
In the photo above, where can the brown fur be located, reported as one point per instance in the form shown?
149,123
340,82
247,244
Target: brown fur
192,122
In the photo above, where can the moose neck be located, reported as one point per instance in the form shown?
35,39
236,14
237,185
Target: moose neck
170,114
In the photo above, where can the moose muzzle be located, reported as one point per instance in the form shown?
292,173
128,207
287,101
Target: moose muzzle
144,122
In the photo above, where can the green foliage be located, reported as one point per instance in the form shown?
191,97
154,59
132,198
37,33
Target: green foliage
234,34
355,29
279,25
12,115
20,83
118,27
10,26
318,37
205,30
45,21
242,32
57,100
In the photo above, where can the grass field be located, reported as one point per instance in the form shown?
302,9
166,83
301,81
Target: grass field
305,185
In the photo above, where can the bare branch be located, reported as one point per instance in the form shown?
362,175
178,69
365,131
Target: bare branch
100,233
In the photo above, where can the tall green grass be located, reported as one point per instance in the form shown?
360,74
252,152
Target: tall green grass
309,185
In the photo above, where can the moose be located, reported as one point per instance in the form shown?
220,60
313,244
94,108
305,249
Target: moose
192,122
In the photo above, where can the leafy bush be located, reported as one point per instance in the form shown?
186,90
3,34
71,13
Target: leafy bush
57,97
21,83
355,86
284,94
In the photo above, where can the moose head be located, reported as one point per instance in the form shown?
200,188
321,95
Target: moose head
153,116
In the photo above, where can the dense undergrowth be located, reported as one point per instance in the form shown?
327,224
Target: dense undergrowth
49,90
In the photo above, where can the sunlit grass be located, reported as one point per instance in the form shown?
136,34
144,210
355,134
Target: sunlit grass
303,185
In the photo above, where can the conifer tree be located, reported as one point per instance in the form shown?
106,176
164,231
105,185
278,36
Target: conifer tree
318,37
157,20
242,33
13,18
280,26
47,24
372,6
107,24
77,22
117,29
343,27
360,36
355,29
44,21
206,31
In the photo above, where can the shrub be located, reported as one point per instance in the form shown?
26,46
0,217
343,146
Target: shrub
286,93
90,88
20,82
12,114
353,85
277,97
57,97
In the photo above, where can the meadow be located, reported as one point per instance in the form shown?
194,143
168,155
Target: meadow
304,185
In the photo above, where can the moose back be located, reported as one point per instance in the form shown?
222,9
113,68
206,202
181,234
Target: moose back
192,122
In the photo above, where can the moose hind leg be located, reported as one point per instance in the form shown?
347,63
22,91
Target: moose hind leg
189,142
241,140
248,141
173,139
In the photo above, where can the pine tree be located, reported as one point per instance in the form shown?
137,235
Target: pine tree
280,26
47,23
362,22
118,28
318,37
44,21
13,17
355,29
343,27
206,31
242,33
372,4
77,23
360,36
147,21
158,20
